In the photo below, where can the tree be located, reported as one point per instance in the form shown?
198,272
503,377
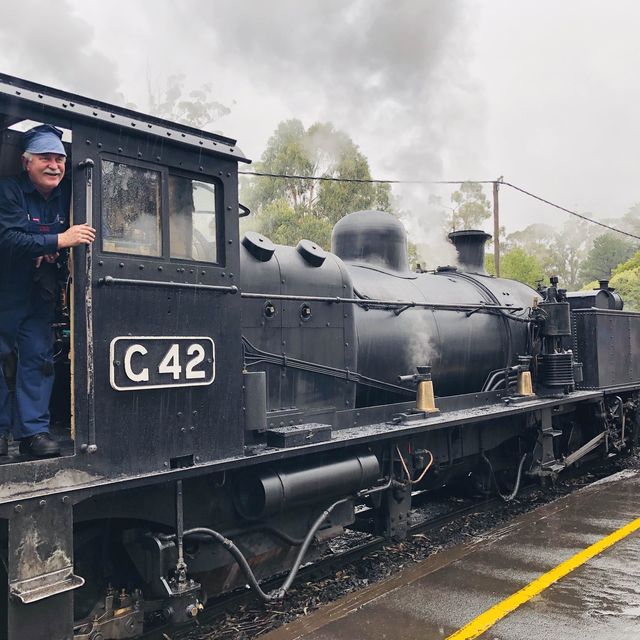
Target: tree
517,264
198,109
559,252
471,207
627,284
608,251
288,210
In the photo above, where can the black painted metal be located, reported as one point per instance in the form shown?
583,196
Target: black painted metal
110,280
469,244
372,237
556,319
608,345
46,99
460,347
265,493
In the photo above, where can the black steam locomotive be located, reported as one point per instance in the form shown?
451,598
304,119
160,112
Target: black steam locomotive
226,406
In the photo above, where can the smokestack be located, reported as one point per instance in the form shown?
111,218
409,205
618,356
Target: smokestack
470,247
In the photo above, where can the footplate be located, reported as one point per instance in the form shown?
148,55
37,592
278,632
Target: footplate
45,586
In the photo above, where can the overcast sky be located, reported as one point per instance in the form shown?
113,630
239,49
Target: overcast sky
543,92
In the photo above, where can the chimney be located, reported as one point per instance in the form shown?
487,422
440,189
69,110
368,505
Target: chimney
470,247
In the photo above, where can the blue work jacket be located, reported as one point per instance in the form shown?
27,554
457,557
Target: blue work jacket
29,228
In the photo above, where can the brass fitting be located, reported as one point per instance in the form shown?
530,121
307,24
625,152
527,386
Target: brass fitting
525,388
425,398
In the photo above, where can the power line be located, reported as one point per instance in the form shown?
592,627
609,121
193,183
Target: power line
358,180
573,213
499,182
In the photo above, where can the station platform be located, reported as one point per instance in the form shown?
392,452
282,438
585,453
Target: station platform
570,569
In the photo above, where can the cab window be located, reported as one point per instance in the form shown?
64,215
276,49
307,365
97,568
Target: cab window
131,202
192,219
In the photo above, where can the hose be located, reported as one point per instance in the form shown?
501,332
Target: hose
238,556
516,488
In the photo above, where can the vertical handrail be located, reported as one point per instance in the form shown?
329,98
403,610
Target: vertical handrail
91,446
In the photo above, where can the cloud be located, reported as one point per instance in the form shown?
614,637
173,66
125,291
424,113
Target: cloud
47,43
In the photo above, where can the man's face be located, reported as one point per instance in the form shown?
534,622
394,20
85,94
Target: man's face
45,170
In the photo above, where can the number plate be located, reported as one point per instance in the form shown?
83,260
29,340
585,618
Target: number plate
148,362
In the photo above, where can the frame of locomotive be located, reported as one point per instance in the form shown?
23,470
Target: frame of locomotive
168,449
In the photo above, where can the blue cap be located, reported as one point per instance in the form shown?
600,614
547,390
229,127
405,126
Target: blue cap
44,138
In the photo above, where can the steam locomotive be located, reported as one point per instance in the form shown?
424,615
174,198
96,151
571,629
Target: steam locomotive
226,406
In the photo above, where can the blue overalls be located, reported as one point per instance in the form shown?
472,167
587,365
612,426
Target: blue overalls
29,226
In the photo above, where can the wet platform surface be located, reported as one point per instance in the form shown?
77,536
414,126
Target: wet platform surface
599,600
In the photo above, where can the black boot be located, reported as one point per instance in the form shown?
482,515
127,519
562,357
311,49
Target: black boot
4,445
42,445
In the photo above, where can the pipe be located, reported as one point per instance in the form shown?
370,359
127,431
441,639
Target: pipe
259,495
238,556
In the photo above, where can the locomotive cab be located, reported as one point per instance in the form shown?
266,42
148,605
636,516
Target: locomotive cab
140,311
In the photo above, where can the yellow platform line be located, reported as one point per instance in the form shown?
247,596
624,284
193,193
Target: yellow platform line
486,620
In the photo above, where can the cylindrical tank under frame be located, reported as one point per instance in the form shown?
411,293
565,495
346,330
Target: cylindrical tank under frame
462,347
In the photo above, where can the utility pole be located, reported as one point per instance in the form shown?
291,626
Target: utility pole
496,226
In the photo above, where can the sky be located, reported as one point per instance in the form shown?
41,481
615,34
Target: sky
544,93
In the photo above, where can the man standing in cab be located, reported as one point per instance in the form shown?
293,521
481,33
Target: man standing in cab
34,212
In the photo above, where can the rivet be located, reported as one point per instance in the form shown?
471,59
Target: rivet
99,145
17,508
141,266
119,149
88,141
228,174
121,265
100,263
159,268
43,503
64,499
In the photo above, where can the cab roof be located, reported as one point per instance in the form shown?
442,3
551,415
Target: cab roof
73,105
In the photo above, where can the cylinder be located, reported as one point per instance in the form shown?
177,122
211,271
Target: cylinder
557,369
557,320
469,244
263,493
